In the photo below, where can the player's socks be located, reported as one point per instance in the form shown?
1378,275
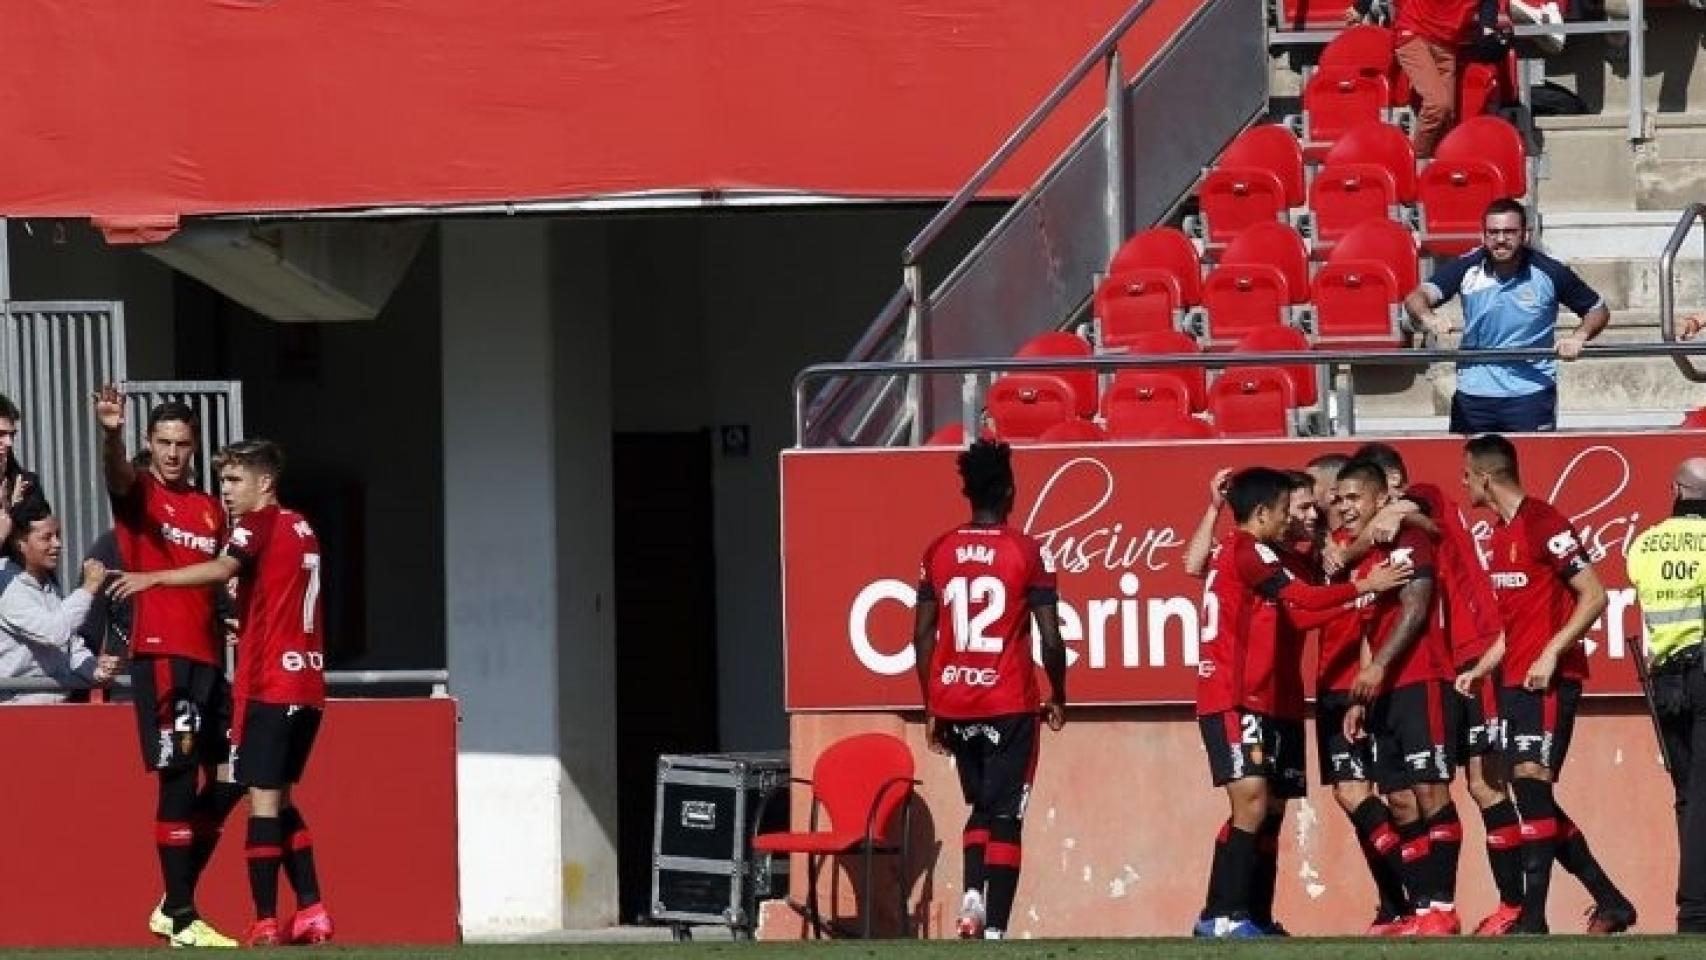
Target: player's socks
212,806
972,845
174,841
1214,904
1001,869
1266,880
299,857
1539,848
1240,872
1382,849
1445,839
265,851
1575,856
1504,850
1415,855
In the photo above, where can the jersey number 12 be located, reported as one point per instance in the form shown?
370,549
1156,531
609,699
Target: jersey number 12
969,630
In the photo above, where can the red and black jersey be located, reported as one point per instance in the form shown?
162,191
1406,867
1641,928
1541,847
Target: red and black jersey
163,527
1534,557
1241,624
987,579
1340,653
1429,656
1441,22
280,653
1290,702
1465,591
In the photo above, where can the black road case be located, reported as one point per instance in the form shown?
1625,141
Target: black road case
703,869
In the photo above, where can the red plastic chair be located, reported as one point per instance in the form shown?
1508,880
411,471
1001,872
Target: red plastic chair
1135,301
952,435
1140,402
1023,405
1305,385
1368,49
1311,14
1235,198
1694,419
1072,431
1276,245
1163,248
1167,343
1335,100
1271,147
859,783
1241,297
1353,303
1488,139
1060,344
1454,197
1384,242
1252,402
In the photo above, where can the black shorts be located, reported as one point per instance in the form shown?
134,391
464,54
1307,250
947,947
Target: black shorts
1414,732
272,746
996,758
1242,744
183,712
1341,760
1537,726
1478,723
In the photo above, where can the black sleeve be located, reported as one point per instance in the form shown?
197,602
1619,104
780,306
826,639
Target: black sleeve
1042,596
926,592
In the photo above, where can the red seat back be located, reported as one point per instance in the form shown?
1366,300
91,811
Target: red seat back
1163,248
1135,301
1353,302
1023,405
1272,147
1277,245
1311,14
1060,344
1344,196
1489,139
1235,198
1241,297
1383,241
1251,402
1193,376
860,773
1072,431
1305,389
1382,145
1368,49
1337,99
1695,419
1148,388
1454,196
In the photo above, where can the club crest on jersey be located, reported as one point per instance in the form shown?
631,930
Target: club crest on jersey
1402,556
240,536
975,553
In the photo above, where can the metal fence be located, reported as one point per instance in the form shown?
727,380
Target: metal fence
437,680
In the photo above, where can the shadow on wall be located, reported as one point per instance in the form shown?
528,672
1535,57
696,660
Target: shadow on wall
1673,41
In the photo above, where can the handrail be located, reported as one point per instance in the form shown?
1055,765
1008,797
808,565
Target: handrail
1063,89
334,678
1114,362
1667,287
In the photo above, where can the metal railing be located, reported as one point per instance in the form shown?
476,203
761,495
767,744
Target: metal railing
438,680
1667,287
972,371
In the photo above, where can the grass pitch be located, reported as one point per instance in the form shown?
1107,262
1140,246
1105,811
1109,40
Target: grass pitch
1535,948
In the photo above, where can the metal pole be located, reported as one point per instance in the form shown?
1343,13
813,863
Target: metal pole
5,261
1637,71
1119,197
917,323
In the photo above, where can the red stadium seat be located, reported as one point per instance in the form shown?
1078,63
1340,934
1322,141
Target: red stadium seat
1059,344
1335,100
1489,139
1163,248
1385,242
1234,198
1353,303
860,783
1305,386
1311,14
1367,48
1694,419
1381,145
1165,343
1182,428
947,435
1251,402
1241,297
1136,301
1484,87
1454,197
1343,197
1023,405
1275,245
1072,431
1152,389
1272,147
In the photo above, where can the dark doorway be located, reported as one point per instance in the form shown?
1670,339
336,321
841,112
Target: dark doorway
666,630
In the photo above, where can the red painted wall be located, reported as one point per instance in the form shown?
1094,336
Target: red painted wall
79,867
125,109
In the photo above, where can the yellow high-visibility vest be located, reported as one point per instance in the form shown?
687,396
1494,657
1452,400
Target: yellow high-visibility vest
1667,565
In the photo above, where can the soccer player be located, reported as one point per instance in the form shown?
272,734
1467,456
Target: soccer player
1325,472
1472,626
274,555
183,700
1399,701
1247,587
980,687
1548,598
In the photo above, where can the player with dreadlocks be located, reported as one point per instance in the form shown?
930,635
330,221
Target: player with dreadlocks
980,688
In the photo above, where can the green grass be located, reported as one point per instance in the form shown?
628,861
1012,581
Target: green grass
1537,948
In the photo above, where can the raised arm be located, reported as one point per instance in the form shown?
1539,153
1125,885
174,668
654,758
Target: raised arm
1201,545
109,413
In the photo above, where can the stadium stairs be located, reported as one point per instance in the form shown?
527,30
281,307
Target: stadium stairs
1308,227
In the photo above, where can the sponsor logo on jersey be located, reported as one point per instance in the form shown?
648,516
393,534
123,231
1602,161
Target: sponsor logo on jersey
1510,581
1563,544
295,661
970,676
184,538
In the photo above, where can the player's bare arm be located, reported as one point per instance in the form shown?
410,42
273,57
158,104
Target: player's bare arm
924,649
1416,602
206,574
1053,650
1590,603
1469,679
109,413
1201,545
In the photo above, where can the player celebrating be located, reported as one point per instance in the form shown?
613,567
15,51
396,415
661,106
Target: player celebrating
980,688
281,688
183,701
1548,598
1243,597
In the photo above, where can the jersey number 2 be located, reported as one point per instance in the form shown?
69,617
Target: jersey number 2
311,596
969,633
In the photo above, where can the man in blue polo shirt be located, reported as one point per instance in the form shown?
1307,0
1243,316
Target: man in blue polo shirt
1510,297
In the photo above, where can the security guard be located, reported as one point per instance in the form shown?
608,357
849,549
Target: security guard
1667,565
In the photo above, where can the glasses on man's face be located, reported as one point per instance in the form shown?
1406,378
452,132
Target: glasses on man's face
1503,231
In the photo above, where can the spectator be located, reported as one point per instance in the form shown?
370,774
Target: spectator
1428,33
16,483
37,627
1511,294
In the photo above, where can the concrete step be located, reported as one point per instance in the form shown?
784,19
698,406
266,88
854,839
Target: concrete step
1617,252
